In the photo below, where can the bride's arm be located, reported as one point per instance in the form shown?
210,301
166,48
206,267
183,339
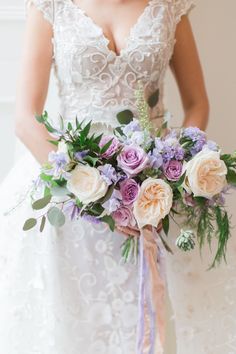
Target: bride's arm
186,67
33,85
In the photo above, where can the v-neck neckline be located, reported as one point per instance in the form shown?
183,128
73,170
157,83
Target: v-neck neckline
100,29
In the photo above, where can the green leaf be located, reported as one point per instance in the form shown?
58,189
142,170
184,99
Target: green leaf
125,117
46,178
29,224
153,99
56,217
91,160
110,221
53,142
180,181
97,209
59,191
108,194
41,203
166,224
40,119
69,126
231,177
106,146
43,222
86,129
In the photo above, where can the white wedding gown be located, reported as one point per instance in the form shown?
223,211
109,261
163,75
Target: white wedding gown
65,291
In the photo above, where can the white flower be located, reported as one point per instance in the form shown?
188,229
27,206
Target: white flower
205,174
87,184
153,203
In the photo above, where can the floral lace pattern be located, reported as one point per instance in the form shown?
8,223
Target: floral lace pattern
66,290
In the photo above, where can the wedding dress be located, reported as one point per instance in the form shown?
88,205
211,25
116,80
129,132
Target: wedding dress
66,291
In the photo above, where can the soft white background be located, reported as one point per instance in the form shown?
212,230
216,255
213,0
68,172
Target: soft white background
214,26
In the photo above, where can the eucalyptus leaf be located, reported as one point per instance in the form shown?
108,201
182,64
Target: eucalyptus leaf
59,191
110,221
56,217
153,99
125,117
29,224
108,194
106,146
42,203
231,177
43,222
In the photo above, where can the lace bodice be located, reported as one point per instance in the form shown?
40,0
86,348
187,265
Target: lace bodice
94,82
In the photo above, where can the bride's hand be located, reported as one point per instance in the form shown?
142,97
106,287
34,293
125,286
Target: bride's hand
134,231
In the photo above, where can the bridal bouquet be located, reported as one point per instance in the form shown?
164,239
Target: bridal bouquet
137,178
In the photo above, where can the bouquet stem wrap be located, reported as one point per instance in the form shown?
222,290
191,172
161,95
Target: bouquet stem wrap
152,287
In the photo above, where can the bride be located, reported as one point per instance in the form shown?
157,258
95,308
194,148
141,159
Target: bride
66,291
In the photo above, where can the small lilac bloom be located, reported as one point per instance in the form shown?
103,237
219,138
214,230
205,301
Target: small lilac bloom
194,133
112,148
80,155
179,153
108,173
59,161
133,126
132,160
155,158
159,144
92,219
72,209
129,190
212,145
124,216
114,202
173,170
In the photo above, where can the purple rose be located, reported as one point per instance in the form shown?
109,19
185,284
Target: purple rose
173,170
132,160
112,148
124,216
129,189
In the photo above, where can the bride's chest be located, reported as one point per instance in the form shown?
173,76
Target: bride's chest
82,53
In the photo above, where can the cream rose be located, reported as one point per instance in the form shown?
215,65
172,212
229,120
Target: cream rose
87,184
153,203
205,174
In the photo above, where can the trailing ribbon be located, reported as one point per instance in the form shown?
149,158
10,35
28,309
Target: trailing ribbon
152,286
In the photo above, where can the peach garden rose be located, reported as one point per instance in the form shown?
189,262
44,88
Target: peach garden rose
205,174
153,203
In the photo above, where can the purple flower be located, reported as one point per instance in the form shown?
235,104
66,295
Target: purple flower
212,145
179,153
173,170
59,161
72,209
155,158
194,133
124,216
129,189
90,218
112,148
133,126
114,202
108,173
132,160
79,155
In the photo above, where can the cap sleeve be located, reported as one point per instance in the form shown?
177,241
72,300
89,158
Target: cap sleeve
182,7
45,6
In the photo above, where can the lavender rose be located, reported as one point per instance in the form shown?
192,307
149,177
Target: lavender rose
124,216
173,170
129,189
112,148
132,160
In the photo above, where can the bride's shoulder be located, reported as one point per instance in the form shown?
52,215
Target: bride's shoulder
181,7
47,7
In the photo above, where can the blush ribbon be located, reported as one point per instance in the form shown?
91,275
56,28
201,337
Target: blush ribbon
152,287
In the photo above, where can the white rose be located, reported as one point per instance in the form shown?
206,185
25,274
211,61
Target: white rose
153,203
205,174
87,184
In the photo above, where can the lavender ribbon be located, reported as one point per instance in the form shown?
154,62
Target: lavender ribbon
151,293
